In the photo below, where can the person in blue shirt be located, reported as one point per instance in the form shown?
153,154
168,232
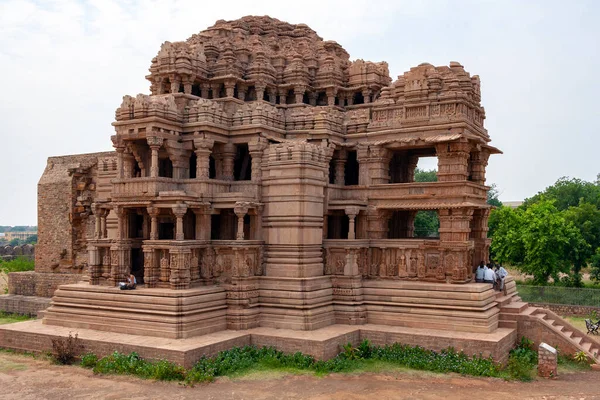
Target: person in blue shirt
130,284
480,272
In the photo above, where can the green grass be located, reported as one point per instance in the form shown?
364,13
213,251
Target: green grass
7,318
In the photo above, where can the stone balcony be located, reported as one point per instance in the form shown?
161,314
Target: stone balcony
408,195
149,188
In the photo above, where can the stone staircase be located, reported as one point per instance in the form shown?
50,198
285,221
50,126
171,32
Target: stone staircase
542,325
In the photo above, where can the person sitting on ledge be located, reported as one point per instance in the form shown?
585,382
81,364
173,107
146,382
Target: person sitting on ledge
489,276
130,284
501,273
480,272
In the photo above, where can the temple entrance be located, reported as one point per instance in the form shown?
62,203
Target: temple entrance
137,265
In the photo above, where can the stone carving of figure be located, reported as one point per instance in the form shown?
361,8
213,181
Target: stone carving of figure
249,266
164,268
194,267
402,272
420,265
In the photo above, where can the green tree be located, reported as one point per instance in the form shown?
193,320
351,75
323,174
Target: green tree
427,224
31,239
422,175
15,242
567,192
538,240
492,196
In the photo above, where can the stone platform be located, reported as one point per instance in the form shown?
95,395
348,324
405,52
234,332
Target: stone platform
146,312
322,343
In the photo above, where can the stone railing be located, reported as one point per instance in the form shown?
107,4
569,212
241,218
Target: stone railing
151,187
408,191
178,264
407,259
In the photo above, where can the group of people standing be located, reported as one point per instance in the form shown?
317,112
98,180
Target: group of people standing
491,273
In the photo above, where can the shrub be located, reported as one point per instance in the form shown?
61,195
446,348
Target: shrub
581,357
89,360
522,360
19,264
65,350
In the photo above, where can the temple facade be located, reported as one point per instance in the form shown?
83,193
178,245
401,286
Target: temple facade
268,167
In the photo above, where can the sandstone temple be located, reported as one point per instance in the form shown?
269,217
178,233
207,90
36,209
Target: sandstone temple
265,188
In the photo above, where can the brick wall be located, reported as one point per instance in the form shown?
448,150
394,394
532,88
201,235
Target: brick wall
26,305
38,284
65,190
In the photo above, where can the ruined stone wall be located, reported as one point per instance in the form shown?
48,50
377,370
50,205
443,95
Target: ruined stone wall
65,193
38,284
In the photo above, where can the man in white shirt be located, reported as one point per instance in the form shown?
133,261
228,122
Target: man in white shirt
489,276
501,273
480,272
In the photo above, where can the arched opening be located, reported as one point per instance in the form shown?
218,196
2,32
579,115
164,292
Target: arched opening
351,170
193,164
242,164
165,167
196,90
358,98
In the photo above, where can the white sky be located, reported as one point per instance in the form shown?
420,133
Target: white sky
66,64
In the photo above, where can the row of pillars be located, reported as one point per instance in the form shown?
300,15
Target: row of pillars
202,228
203,149
273,93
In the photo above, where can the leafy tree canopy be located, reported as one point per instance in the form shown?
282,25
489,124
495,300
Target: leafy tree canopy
567,192
540,240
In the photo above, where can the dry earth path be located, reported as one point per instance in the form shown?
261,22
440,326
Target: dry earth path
23,377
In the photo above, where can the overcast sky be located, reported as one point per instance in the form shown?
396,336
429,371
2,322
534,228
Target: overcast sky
66,64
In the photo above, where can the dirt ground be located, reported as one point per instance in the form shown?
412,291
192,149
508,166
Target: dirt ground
23,377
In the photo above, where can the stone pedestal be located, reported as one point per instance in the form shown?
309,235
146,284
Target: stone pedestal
547,361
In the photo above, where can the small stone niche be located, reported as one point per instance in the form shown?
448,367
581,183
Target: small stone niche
547,361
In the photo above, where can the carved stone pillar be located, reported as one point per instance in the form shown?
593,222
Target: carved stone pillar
175,83
153,213
187,86
379,168
240,211
151,272
98,221
256,149
227,161
155,143
453,159
103,229
260,92
331,96
299,94
204,90
120,256
179,277
350,99
479,162
120,150
121,214
340,167
377,221
179,211
455,224
362,156
411,165
410,224
282,96
203,150
95,263
271,93
203,222
229,88
351,212
242,92
366,95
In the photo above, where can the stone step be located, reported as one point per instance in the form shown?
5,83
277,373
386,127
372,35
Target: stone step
514,307
507,324
550,321
586,345
576,339
559,327
567,334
